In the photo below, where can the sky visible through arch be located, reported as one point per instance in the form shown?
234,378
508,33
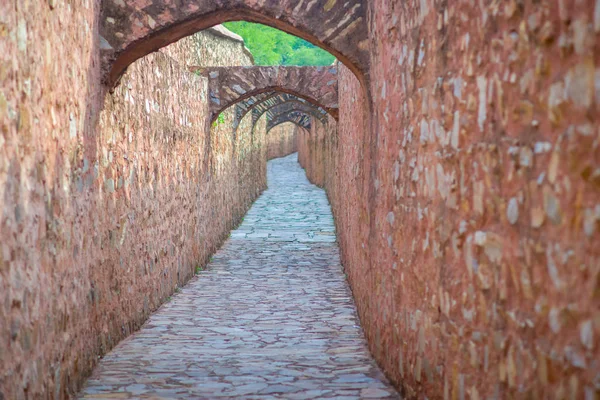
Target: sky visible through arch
270,46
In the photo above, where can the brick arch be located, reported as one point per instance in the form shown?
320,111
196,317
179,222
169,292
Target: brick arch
130,29
233,85
295,105
242,108
275,100
296,117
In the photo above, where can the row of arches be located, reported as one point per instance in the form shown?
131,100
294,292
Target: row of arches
250,86
281,107
130,29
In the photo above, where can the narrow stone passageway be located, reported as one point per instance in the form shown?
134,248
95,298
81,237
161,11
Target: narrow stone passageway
272,315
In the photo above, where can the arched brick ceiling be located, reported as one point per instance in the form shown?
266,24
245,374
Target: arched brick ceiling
270,102
245,106
130,29
232,85
292,105
299,118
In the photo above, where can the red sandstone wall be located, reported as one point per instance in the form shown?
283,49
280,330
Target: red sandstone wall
281,140
49,109
104,213
337,157
467,207
470,240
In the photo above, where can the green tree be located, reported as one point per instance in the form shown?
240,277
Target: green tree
271,46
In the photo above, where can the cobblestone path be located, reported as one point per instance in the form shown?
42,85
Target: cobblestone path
271,316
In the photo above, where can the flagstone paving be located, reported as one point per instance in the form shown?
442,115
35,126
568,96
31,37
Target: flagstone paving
271,316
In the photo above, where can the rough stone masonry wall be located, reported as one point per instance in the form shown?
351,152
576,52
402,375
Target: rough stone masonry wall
104,213
469,216
48,61
281,140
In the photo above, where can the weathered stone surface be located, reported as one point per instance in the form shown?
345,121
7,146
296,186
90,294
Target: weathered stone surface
484,120
271,314
470,107
134,28
104,214
282,140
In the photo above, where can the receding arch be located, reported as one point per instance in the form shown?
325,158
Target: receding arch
232,85
295,105
268,103
130,29
297,117
242,108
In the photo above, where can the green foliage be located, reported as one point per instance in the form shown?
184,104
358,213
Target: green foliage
220,120
271,46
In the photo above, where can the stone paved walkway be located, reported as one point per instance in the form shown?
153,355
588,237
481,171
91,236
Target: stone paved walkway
271,316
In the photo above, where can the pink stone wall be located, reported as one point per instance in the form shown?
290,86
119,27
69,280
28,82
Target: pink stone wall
105,213
281,140
49,107
465,188
470,210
